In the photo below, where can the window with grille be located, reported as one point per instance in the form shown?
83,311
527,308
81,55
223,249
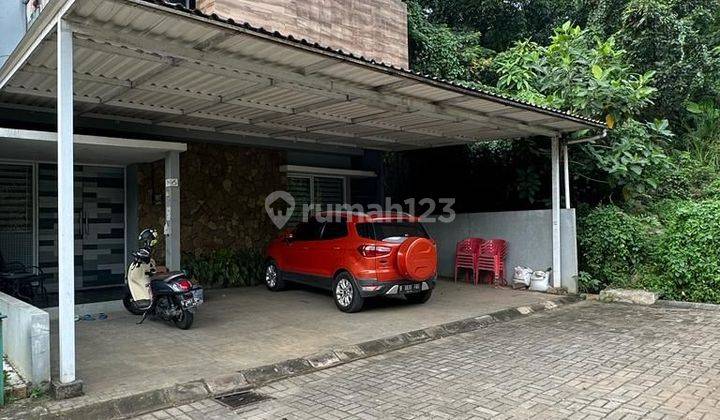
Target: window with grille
16,213
315,190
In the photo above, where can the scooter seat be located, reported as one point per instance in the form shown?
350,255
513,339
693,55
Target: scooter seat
168,277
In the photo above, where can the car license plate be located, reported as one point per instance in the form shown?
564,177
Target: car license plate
411,288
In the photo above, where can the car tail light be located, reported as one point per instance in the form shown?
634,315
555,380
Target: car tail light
374,250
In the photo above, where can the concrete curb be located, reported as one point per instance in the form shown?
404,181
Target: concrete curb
188,392
686,305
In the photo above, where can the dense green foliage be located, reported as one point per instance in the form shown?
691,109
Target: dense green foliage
672,250
687,262
225,267
615,243
648,195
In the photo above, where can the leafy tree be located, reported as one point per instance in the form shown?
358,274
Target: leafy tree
437,50
678,39
634,160
501,22
584,74
576,72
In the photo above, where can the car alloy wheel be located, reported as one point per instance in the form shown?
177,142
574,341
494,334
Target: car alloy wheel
344,292
271,276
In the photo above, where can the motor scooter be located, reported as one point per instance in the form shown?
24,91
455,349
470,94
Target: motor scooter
169,296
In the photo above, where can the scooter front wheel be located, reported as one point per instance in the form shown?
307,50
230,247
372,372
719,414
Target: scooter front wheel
131,306
184,321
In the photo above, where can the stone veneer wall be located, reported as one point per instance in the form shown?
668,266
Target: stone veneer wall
372,28
222,197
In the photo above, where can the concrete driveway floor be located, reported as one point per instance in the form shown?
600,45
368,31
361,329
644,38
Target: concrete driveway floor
583,361
249,327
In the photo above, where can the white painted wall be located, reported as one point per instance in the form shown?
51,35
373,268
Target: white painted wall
529,236
26,339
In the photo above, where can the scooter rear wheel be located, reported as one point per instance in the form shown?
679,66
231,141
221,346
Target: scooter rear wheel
185,321
131,306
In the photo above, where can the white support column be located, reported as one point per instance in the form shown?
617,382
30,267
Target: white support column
66,218
566,174
172,211
556,250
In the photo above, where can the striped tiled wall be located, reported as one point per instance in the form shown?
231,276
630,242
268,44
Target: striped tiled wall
99,225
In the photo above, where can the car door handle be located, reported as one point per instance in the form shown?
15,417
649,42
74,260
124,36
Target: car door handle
305,248
336,248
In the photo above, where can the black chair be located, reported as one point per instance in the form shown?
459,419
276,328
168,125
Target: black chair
24,282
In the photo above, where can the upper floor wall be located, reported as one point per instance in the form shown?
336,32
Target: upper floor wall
376,29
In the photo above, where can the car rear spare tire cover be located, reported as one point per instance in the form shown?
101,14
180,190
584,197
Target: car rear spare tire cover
417,258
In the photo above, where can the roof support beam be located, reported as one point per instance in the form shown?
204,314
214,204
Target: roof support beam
277,111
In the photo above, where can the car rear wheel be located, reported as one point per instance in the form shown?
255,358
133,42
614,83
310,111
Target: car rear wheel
421,297
273,277
346,294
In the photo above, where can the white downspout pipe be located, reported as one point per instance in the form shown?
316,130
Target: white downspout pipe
556,241
566,174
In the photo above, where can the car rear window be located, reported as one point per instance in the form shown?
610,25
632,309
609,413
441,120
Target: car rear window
387,231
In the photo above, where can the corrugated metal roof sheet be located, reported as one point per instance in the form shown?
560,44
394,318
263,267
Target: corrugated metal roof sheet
168,65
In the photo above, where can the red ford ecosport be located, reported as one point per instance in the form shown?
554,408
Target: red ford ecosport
356,256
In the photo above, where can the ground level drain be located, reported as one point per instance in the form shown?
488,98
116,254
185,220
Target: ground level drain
242,399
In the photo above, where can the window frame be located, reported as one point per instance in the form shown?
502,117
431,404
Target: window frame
312,177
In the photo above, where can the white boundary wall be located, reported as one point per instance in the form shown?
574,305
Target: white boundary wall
26,339
529,236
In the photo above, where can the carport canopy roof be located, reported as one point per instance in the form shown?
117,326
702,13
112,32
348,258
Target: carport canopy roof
166,66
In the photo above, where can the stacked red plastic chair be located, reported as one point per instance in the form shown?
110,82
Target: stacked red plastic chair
467,252
492,258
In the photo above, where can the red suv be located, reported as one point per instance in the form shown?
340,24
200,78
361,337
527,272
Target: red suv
356,256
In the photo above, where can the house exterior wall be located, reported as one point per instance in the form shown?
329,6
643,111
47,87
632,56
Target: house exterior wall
222,197
529,237
375,29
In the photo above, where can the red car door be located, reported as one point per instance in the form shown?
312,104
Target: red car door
299,259
327,252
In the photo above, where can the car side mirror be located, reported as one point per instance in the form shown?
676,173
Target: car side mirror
289,237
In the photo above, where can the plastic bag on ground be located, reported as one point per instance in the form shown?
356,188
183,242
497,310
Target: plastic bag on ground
522,275
540,281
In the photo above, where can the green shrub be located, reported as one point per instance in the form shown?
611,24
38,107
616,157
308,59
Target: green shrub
587,283
225,267
686,178
613,246
688,257
676,252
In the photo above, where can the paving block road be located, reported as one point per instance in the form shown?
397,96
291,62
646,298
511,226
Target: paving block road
582,361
